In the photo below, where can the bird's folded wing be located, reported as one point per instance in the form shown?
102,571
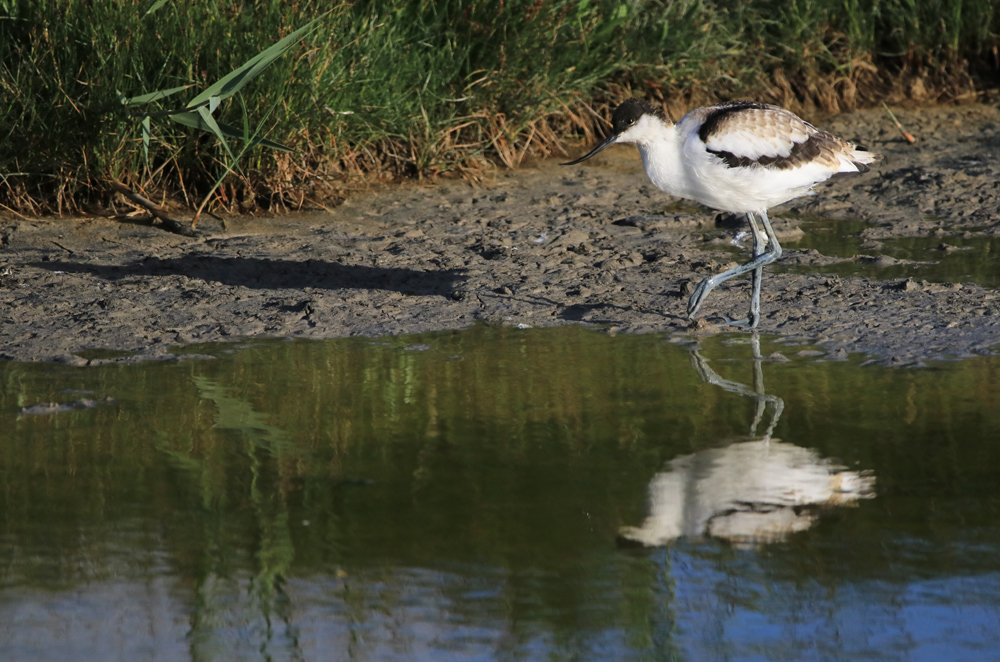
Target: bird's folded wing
765,136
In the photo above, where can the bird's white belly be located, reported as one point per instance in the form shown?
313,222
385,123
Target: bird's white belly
705,178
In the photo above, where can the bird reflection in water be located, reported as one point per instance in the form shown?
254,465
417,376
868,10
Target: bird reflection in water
747,493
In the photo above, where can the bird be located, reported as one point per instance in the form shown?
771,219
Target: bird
741,157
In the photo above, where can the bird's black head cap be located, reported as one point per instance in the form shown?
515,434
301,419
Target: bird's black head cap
629,112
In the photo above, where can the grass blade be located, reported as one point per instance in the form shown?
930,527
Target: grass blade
213,126
146,133
156,5
152,96
195,121
236,80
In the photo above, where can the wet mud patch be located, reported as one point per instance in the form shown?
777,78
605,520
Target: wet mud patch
546,245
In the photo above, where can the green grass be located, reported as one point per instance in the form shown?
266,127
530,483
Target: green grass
391,88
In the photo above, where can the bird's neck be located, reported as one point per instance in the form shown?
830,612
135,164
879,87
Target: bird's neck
662,160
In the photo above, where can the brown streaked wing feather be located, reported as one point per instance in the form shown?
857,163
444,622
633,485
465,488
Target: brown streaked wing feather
744,134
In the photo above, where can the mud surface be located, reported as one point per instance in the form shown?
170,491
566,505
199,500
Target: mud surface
545,245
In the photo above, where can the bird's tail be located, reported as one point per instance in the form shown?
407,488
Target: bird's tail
859,159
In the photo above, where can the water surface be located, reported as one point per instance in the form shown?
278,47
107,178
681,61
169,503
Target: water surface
476,495
949,258
969,258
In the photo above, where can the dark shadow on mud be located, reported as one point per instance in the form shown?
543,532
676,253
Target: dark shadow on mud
263,273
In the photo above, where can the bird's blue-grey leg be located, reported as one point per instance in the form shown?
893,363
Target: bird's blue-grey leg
773,247
760,259
756,278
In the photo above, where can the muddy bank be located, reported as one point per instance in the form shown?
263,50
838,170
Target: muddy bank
594,243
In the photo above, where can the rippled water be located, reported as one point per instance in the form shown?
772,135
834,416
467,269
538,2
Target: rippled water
501,494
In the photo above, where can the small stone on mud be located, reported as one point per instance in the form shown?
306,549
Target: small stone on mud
703,326
69,359
880,261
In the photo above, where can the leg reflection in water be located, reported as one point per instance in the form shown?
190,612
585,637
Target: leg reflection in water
748,493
